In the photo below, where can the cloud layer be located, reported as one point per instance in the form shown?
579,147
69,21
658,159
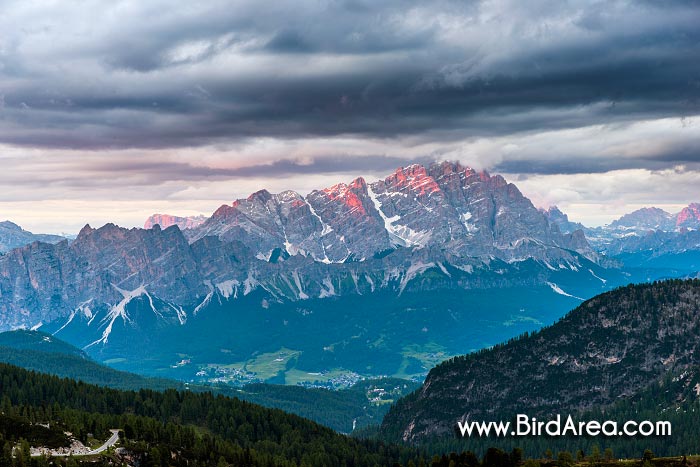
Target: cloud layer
144,74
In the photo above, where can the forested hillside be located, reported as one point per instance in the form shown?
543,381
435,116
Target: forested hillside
673,399
185,428
611,348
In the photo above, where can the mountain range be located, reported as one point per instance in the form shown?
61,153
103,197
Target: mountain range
13,236
358,279
646,237
642,220
448,206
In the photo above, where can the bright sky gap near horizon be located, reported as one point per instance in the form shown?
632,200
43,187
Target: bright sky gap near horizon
111,111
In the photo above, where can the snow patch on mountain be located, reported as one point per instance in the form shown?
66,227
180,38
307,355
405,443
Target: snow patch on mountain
597,277
180,313
396,239
329,290
264,256
227,288
412,237
468,268
249,284
413,270
464,219
326,229
210,294
297,282
82,308
443,269
558,290
118,311
370,282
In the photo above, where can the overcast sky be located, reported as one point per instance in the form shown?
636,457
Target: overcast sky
113,110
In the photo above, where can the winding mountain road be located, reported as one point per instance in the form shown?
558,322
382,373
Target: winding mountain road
108,444
78,449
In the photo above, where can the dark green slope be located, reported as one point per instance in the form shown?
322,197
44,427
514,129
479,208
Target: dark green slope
35,350
341,410
83,369
41,341
609,348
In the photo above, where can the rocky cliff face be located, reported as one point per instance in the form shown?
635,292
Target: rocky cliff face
610,347
14,236
105,269
41,282
555,216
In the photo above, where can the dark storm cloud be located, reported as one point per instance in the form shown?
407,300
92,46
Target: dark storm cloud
141,75
577,165
289,41
684,154
134,171
161,171
325,165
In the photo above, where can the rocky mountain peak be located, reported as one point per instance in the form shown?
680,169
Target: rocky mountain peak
561,220
358,184
689,217
498,181
414,178
349,195
8,225
85,231
262,196
166,220
447,167
555,213
14,236
645,218
110,231
484,176
288,196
